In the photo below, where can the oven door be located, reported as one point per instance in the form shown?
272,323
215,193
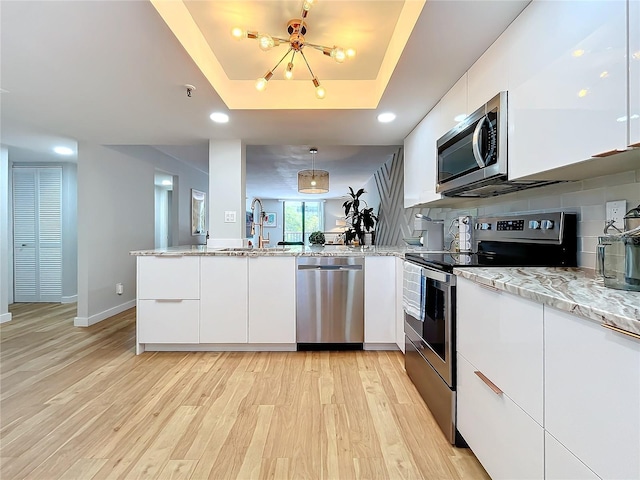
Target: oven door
433,334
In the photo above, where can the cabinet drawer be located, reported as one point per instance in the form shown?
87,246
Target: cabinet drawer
168,321
502,335
561,464
508,442
168,277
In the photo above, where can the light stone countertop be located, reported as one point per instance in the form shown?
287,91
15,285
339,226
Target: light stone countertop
293,250
573,290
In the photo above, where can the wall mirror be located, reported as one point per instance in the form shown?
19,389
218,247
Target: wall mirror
198,212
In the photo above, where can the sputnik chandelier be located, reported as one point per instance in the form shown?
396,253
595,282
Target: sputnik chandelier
297,29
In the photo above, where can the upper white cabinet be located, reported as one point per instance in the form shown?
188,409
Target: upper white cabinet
272,300
453,107
380,300
567,83
634,73
420,161
489,75
223,302
592,393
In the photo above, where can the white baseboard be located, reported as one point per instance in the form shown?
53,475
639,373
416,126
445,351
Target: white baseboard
69,299
215,347
98,317
5,317
380,346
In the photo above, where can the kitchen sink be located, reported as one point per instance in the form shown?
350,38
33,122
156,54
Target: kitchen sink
252,249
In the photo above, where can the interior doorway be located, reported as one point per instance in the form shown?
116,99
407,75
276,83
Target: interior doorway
164,209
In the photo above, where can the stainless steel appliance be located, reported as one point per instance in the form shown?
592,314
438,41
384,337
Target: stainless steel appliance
330,302
472,157
431,232
429,297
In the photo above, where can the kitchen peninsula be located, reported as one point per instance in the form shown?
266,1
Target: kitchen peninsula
203,298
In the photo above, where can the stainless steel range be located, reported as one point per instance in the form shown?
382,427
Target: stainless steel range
429,297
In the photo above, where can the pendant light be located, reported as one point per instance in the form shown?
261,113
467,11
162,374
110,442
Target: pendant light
313,181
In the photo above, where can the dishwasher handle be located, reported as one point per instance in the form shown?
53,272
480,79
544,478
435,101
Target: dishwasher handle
331,268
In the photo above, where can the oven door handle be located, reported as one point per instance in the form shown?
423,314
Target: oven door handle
443,277
476,142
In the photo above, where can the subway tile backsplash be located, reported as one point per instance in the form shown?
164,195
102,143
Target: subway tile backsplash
586,198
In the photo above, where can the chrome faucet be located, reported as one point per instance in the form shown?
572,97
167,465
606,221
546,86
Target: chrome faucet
261,240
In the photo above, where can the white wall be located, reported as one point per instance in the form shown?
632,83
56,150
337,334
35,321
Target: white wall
5,316
116,215
69,232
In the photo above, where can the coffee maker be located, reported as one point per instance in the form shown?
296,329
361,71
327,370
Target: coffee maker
431,232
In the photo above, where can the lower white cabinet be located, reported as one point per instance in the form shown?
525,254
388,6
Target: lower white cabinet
399,309
507,441
592,394
561,464
272,300
380,300
223,300
168,321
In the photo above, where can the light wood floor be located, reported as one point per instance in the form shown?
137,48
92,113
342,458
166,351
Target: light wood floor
76,403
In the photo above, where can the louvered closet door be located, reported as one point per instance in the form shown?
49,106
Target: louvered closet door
37,234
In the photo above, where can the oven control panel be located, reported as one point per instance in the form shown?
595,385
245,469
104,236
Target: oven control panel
546,227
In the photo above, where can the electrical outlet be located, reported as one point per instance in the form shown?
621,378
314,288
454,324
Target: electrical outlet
229,217
119,288
616,211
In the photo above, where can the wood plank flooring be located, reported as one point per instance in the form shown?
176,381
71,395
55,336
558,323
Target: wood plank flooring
77,403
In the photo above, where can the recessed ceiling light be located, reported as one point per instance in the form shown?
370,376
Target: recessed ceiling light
219,117
386,117
166,182
63,151
583,93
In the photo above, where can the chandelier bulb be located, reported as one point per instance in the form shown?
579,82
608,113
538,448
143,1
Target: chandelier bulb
265,42
320,91
306,6
338,54
238,33
261,83
313,183
288,73
350,52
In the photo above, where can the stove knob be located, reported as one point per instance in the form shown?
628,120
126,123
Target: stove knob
485,226
547,224
534,224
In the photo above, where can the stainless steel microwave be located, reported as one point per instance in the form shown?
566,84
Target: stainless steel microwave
474,153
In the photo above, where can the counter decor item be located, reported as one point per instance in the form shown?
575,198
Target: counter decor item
362,221
316,239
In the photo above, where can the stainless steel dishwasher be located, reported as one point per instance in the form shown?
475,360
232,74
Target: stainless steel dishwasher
330,302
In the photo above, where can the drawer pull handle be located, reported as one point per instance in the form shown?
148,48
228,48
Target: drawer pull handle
168,300
620,330
635,145
489,383
608,153
488,287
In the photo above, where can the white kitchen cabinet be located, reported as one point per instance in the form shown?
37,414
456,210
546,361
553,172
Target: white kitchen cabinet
420,162
561,464
453,107
506,441
567,84
634,73
168,277
223,300
380,301
399,309
272,300
489,75
592,393
167,321
502,336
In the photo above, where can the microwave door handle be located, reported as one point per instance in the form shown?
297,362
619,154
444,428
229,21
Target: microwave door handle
476,143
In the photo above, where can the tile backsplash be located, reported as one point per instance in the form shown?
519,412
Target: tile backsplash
587,198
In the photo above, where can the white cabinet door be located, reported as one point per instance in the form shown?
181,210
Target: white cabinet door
561,464
223,300
502,335
490,74
399,309
592,393
380,300
169,277
272,300
420,162
453,107
167,321
634,73
567,84
508,443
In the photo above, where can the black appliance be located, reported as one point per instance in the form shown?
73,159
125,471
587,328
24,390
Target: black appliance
429,297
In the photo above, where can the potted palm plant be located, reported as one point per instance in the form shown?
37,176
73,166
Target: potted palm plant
362,220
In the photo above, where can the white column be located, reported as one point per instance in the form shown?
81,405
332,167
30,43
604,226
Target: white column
5,316
226,193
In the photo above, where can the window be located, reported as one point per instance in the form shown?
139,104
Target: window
301,219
